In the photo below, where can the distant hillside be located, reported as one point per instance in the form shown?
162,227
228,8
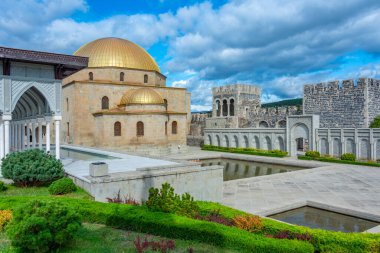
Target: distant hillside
288,102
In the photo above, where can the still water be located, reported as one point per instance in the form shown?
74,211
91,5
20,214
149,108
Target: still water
81,155
237,169
318,218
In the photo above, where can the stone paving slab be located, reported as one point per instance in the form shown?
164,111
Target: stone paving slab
355,188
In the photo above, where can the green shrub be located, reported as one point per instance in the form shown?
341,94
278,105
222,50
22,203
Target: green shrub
42,226
376,122
31,168
312,153
3,187
247,151
348,157
165,200
62,186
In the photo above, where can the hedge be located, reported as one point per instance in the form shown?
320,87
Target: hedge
247,151
323,240
336,160
140,219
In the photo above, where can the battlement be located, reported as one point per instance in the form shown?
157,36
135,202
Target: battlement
236,88
345,85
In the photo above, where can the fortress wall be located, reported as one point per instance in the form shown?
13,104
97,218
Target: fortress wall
343,104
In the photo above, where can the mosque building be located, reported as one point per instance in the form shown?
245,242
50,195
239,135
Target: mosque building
121,101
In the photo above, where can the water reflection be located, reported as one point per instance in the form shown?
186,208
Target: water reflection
318,218
81,155
237,169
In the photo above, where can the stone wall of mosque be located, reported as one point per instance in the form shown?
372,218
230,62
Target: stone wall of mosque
343,104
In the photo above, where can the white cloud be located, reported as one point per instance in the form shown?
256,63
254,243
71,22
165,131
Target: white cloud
279,45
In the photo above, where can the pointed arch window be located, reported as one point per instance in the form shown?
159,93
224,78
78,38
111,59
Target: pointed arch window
105,103
140,128
91,76
174,127
121,76
117,129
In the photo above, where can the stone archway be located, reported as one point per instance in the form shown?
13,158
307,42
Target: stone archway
299,141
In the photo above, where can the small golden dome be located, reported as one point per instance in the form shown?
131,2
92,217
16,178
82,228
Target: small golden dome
141,96
115,52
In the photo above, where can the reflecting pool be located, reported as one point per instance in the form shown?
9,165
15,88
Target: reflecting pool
67,153
319,218
237,169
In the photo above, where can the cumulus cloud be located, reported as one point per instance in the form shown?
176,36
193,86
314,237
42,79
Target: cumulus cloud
278,45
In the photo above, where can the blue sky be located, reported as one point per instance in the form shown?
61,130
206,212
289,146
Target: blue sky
279,45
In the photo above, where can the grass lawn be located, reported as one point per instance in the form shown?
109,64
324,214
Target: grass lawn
94,238
40,191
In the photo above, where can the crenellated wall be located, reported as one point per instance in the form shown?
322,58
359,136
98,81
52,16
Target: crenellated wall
343,104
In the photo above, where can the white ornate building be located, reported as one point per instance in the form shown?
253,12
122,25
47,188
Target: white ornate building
30,98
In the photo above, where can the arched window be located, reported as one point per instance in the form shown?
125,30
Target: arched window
232,107
105,103
90,76
145,78
117,129
225,108
174,127
140,128
166,128
121,76
217,108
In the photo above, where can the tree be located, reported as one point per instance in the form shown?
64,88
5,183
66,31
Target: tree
376,122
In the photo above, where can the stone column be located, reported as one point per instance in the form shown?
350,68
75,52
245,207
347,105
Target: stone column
27,135
23,135
33,135
40,135
57,137
2,141
6,137
228,108
47,136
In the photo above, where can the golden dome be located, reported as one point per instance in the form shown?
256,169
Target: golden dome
115,52
141,96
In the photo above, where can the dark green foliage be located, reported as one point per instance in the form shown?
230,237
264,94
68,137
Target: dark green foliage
3,187
31,168
312,153
348,157
376,122
336,160
165,200
42,226
287,102
140,219
62,186
247,151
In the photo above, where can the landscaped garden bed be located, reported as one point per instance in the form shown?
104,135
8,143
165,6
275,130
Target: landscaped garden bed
45,219
246,151
232,239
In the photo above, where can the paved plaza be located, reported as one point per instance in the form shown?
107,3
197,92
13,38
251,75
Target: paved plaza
351,189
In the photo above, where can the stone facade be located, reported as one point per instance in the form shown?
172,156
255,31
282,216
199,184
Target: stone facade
85,123
239,106
197,126
343,104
